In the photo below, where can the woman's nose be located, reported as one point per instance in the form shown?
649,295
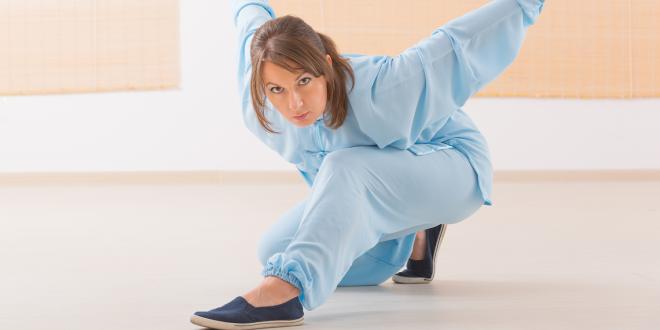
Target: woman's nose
295,102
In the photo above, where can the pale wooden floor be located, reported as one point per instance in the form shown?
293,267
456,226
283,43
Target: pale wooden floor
578,255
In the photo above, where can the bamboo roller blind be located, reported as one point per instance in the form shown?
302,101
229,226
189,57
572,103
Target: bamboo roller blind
64,46
576,49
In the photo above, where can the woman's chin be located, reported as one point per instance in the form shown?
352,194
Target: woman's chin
299,123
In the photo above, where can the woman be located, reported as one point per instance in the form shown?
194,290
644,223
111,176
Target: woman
382,142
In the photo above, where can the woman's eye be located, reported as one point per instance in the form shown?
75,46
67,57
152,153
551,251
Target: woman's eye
276,90
305,81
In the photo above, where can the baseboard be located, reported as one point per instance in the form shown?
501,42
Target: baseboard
576,175
289,177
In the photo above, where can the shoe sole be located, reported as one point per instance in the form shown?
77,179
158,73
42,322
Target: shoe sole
410,280
423,280
213,324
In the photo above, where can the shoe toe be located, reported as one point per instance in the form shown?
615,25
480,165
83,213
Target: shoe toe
229,312
240,311
406,273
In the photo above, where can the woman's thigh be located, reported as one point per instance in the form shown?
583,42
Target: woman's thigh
402,192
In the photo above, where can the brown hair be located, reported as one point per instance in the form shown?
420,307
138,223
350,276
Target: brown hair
289,40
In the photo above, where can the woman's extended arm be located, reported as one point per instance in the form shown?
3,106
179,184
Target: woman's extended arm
402,96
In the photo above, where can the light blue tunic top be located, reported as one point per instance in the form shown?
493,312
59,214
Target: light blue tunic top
411,101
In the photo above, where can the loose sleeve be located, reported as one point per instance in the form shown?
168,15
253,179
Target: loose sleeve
399,97
248,16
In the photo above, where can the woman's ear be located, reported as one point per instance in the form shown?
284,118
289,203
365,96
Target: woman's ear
328,59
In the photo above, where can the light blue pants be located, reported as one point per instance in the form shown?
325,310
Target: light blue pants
358,224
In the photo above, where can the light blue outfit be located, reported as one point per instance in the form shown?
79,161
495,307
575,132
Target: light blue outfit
406,158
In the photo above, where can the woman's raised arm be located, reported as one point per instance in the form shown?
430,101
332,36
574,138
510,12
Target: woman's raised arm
402,96
248,16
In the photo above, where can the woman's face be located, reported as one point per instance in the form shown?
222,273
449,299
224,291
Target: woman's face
298,96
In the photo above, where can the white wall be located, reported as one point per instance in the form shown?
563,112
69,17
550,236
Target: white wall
570,134
199,128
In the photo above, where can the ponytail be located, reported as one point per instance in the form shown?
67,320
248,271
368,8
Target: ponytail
338,93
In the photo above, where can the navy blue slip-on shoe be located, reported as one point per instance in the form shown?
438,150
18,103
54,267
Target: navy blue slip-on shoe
422,271
239,314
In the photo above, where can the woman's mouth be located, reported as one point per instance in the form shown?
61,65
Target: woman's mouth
302,117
